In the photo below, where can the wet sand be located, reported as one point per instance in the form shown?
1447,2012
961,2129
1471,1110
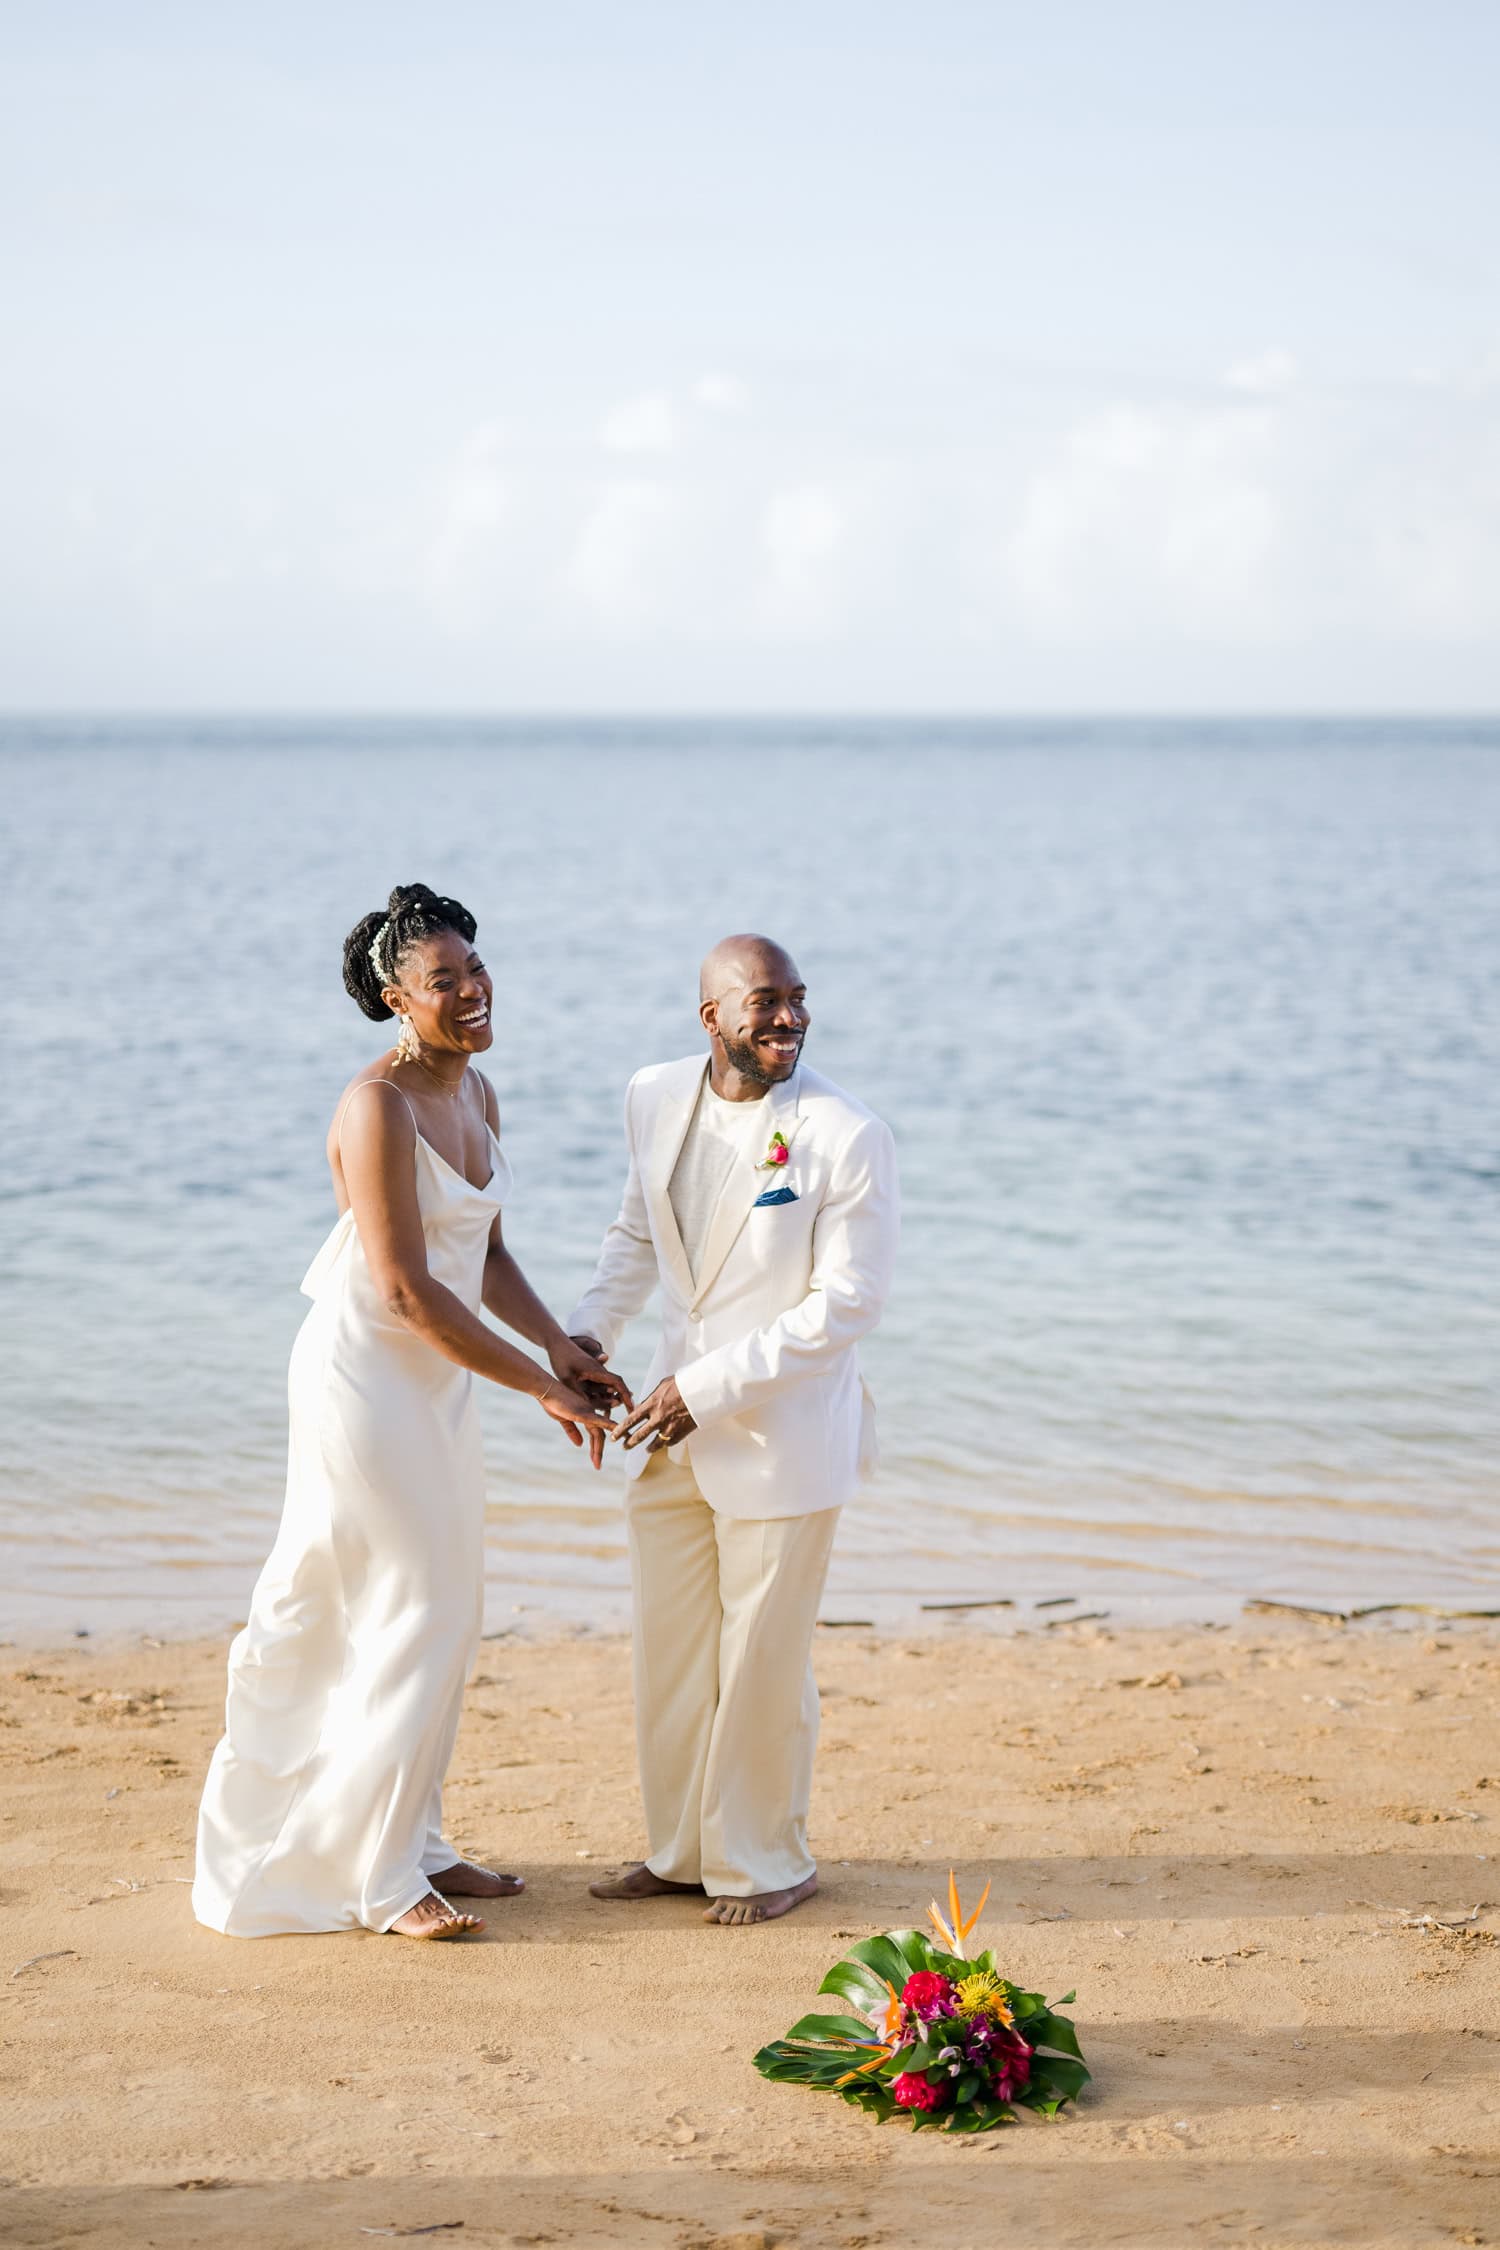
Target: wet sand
1243,1847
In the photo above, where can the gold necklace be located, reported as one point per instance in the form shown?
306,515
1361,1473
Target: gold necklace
413,1055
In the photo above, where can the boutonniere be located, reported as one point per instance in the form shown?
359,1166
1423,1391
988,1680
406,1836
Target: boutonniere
776,1154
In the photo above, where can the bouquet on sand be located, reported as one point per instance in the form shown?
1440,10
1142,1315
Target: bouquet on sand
947,2039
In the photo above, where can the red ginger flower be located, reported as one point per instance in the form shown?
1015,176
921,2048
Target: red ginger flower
1013,2071
927,1994
913,2092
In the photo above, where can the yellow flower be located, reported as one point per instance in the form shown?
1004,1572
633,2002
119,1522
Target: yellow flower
981,1995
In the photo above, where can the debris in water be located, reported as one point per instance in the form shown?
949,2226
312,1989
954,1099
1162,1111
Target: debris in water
993,1601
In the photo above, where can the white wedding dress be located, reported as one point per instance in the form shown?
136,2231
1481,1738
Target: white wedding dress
322,1808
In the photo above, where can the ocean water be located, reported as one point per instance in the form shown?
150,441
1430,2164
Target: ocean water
1188,1034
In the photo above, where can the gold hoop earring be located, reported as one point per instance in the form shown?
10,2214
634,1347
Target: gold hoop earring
408,1046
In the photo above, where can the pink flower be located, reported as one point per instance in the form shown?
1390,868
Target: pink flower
777,1153
913,2092
927,1994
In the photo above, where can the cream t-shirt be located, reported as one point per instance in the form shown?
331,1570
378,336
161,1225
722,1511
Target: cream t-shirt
721,1135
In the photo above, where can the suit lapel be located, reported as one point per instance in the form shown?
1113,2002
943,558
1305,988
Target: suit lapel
674,1114
745,1185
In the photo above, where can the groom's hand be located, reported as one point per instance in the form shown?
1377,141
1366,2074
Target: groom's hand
662,1418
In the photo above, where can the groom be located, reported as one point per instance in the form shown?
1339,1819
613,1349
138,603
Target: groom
763,1201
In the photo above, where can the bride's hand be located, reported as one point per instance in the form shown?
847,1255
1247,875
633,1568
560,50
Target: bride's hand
579,1362
575,1414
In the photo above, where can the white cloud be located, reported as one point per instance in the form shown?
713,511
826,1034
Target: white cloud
617,567
801,532
1251,545
1428,536
471,506
645,424
1157,520
1267,375
722,394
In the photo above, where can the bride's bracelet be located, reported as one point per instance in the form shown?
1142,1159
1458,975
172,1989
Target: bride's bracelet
541,1395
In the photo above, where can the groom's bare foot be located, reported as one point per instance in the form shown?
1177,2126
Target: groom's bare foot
765,1906
464,1880
638,1882
431,1917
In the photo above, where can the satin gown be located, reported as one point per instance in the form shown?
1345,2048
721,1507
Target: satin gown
323,1805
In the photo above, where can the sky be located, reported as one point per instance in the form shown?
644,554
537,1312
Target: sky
580,357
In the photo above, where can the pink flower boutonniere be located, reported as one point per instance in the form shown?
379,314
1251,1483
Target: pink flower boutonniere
777,1153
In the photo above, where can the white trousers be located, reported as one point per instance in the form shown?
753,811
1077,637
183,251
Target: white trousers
726,1706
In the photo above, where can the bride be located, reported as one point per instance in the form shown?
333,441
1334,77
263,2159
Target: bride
322,1808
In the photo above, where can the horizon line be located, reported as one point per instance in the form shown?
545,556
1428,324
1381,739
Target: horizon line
780,715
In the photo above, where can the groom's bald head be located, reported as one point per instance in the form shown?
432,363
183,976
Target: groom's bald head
741,963
754,1008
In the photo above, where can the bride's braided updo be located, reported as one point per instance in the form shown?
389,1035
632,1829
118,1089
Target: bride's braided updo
375,947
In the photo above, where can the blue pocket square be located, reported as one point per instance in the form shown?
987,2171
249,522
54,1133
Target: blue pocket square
774,1195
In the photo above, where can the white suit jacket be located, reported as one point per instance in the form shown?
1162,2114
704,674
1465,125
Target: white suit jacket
763,1344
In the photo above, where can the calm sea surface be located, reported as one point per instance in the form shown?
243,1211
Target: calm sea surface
1188,1034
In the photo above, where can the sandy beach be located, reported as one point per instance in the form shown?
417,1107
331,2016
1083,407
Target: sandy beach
1263,1855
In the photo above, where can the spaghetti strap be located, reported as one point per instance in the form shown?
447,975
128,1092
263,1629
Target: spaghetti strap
353,1090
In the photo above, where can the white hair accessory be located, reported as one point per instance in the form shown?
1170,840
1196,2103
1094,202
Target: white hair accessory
376,943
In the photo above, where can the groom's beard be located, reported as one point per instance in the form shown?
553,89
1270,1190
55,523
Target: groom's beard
753,1066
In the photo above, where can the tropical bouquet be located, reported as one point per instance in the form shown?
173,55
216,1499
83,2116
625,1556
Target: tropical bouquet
946,2039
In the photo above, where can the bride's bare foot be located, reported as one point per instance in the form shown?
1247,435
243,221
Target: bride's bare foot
638,1882
464,1880
432,1918
766,1906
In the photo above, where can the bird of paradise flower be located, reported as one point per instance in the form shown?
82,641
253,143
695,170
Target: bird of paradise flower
956,1928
